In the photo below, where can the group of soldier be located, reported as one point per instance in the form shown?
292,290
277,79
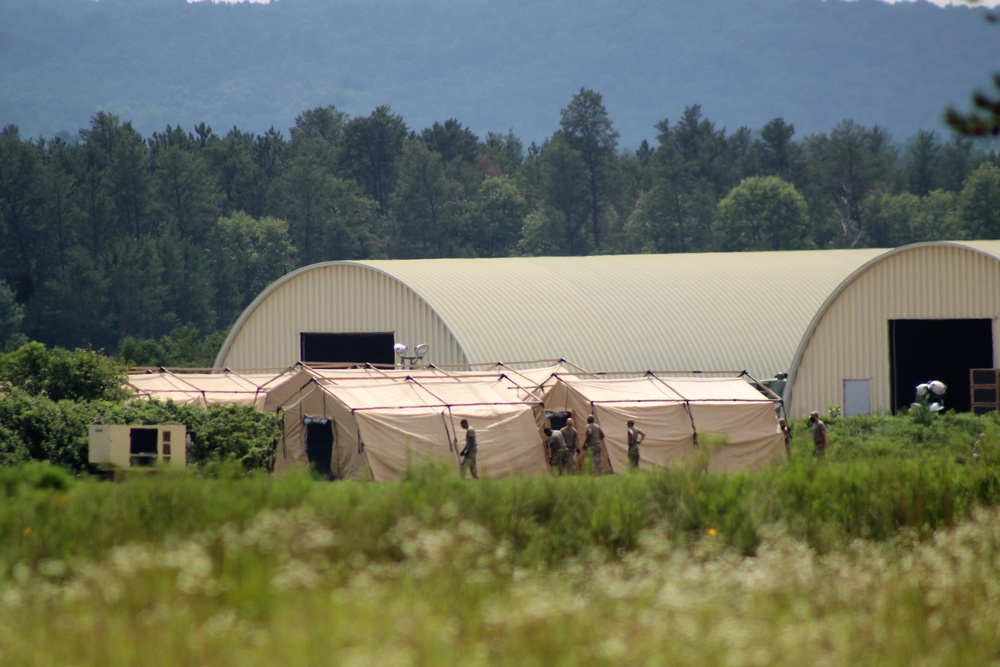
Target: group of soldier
562,446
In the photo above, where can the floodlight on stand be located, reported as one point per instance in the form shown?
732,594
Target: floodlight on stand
400,349
937,387
421,350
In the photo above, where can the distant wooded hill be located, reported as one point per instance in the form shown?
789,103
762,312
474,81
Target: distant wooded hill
494,65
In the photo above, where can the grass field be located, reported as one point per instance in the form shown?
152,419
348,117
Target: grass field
887,553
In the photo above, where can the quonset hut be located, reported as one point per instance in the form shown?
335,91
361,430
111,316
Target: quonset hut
857,328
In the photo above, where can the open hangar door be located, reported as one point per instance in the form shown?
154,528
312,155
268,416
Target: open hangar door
347,348
945,350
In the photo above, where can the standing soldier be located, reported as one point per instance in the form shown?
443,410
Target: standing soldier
469,453
635,438
558,453
593,439
786,431
569,437
820,441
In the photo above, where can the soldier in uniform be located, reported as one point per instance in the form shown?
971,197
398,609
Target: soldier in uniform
820,442
635,437
557,450
593,440
569,437
469,453
786,431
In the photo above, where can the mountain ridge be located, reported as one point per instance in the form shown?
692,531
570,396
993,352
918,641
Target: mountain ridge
498,65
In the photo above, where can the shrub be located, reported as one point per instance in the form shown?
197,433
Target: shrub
34,475
82,375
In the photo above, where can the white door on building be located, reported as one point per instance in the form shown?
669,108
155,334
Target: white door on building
857,397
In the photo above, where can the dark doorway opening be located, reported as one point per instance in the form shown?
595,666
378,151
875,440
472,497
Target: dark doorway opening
557,419
347,348
319,446
142,446
945,350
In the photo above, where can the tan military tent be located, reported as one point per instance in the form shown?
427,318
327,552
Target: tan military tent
294,384
371,422
204,389
672,412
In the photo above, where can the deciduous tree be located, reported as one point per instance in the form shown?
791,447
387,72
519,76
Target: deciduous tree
250,254
979,203
762,213
498,211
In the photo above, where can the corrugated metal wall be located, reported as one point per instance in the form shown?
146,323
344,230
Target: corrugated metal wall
823,315
335,298
708,312
850,338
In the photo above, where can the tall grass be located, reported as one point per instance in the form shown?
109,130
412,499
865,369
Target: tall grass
885,553
293,587
542,520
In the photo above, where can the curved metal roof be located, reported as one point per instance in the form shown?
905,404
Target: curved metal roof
709,311
987,248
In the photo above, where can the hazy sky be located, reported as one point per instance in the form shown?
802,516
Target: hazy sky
983,3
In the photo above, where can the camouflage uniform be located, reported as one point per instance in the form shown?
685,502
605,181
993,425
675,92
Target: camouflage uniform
593,437
633,445
557,450
569,437
819,437
469,453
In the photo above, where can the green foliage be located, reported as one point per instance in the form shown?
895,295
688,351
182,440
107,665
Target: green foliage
36,428
220,433
500,209
429,206
586,128
984,119
252,254
40,429
543,521
237,432
139,245
979,202
11,315
533,568
184,347
37,475
81,375
847,166
762,213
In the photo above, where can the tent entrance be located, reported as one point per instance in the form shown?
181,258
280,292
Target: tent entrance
945,350
557,419
319,446
347,348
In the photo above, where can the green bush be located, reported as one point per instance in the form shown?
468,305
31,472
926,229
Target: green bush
36,428
81,375
34,476
184,347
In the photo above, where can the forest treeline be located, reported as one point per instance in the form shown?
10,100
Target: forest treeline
150,247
